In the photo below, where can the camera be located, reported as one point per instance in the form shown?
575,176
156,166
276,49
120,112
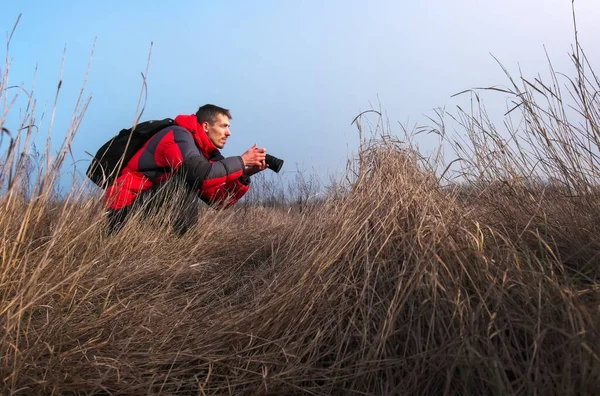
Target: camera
274,163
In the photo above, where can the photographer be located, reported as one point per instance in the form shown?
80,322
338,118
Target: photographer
184,154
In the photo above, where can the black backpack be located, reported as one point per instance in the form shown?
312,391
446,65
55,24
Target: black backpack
112,157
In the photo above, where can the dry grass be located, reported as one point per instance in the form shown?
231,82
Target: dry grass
392,284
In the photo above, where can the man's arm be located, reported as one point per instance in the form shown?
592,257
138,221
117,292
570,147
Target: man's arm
225,180
233,188
199,171
236,189
224,195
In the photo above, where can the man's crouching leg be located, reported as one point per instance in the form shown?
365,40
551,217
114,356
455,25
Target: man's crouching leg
116,220
186,216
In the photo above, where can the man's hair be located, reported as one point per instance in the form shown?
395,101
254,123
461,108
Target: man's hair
208,113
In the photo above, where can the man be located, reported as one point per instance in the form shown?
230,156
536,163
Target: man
187,154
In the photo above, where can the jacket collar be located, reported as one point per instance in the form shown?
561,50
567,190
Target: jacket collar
190,123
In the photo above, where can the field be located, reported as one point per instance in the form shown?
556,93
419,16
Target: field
407,276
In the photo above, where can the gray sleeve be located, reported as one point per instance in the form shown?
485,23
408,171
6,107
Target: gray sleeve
198,168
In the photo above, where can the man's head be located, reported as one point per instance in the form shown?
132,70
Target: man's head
214,121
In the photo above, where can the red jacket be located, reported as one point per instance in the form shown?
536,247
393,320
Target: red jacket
218,180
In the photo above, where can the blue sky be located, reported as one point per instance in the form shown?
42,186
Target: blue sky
293,73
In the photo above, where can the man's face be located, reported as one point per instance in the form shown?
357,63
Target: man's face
218,131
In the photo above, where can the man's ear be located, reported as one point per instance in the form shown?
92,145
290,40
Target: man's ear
205,126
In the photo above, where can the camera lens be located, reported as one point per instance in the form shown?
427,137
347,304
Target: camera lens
274,163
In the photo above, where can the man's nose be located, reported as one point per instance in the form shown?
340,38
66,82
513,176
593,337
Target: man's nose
227,132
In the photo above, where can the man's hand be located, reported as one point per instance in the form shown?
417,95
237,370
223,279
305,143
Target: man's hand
254,169
255,157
